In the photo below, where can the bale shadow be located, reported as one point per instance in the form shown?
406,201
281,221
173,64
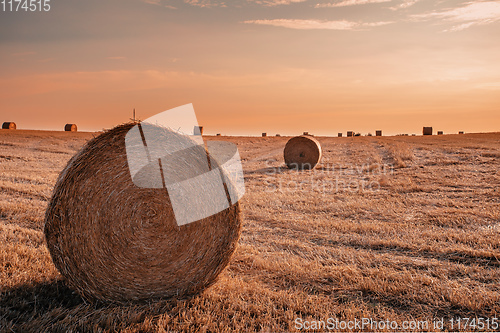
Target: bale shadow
282,169
267,171
54,307
26,302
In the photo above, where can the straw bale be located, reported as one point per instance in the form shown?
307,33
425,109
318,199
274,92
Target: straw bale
116,242
302,152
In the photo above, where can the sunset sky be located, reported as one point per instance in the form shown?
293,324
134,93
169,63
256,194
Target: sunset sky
252,66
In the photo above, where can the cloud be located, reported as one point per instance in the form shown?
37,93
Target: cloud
271,3
159,3
316,24
205,3
266,3
376,24
345,3
473,13
197,3
404,4
116,58
306,24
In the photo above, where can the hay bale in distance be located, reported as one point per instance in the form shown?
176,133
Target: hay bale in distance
70,128
116,242
461,132
350,133
264,135
427,131
218,134
378,133
340,135
305,133
9,125
302,152
278,134
440,132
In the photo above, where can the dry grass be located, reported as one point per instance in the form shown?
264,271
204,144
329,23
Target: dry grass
362,236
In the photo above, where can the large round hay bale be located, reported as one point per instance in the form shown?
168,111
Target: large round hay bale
70,128
427,131
302,152
114,241
9,125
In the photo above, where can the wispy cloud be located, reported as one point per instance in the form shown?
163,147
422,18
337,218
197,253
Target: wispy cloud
265,3
375,24
159,3
306,24
205,3
346,3
473,13
197,3
316,24
404,4
219,3
272,3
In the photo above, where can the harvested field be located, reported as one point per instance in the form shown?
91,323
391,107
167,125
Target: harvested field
388,228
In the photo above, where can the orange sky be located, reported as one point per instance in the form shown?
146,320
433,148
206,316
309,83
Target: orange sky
252,66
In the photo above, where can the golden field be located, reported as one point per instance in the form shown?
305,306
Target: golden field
389,228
